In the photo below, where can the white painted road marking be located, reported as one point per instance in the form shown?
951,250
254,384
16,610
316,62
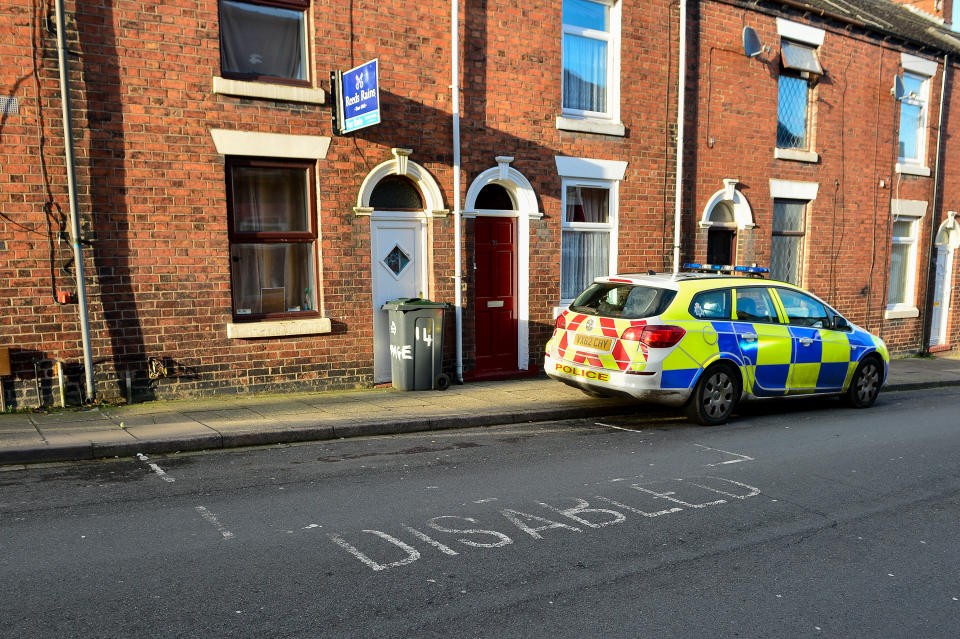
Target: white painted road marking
741,458
681,493
629,430
163,475
212,519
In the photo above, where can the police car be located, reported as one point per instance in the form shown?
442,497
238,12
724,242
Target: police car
709,336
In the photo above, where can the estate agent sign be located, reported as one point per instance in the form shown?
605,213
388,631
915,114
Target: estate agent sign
358,97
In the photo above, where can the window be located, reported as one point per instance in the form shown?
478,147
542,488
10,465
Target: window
786,244
273,234
710,305
623,300
755,305
588,234
903,257
913,120
804,310
799,70
591,44
264,40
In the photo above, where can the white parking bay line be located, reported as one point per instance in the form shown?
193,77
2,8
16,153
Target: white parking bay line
212,519
629,430
740,458
163,475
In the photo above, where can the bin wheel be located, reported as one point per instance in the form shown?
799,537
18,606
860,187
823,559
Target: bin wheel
442,382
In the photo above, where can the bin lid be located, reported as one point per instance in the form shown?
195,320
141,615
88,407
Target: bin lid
411,304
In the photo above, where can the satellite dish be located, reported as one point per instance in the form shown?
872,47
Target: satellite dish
752,46
898,89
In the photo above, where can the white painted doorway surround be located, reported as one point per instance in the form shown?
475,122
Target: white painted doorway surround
400,253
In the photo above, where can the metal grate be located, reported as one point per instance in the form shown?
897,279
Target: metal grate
792,113
9,105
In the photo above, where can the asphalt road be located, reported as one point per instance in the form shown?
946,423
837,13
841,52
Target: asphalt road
797,519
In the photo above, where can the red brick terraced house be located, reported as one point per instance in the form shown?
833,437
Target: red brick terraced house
233,239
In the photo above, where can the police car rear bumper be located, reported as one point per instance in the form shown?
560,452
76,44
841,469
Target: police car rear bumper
600,380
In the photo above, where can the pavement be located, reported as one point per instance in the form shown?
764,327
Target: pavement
159,427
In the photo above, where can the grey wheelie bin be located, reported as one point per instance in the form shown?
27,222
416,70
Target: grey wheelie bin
416,344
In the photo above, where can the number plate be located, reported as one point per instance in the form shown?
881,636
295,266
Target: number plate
593,341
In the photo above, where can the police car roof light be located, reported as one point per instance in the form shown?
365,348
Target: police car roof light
726,268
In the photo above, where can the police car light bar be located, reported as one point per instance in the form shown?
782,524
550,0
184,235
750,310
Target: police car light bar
726,268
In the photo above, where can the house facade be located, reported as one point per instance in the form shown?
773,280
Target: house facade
233,240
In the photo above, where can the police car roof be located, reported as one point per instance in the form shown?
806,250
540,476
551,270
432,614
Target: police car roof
673,281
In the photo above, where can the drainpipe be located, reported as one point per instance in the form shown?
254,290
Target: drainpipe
455,108
72,192
935,210
681,108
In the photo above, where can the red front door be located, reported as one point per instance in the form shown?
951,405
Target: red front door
495,290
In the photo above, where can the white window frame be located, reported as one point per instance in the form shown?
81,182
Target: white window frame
609,227
812,37
906,211
605,122
922,100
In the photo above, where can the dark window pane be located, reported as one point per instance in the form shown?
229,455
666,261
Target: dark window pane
262,41
788,215
270,199
804,310
494,196
719,246
272,278
623,300
394,193
711,305
755,305
586,204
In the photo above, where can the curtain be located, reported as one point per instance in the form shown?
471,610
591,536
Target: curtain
585,256
584,73
262,41
899,255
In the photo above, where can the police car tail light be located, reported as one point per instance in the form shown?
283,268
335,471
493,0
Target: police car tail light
661,336
632,334
561,322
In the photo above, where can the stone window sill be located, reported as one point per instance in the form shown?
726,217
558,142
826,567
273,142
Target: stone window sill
913,169
602,127
282,328
901,311
796,155
268,91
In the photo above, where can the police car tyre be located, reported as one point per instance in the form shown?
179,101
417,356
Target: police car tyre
865,385
715,395
442,382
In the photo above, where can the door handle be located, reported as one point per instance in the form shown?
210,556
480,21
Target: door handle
806,341
749,337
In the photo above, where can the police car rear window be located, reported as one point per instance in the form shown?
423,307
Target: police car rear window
627,301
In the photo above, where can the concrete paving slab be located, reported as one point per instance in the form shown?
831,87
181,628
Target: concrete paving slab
168,430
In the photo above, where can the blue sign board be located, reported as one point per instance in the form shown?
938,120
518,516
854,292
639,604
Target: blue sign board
359,97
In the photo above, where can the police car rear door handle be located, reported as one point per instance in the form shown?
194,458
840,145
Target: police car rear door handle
806,341
750,337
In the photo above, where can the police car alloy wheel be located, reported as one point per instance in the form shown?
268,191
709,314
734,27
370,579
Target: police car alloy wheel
715,396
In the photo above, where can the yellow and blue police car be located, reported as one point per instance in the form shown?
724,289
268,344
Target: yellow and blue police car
707,337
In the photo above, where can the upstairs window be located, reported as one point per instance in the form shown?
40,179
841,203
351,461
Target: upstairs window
590,46
264,40
913,119
799,65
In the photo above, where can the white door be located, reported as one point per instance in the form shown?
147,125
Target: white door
398,271
941,296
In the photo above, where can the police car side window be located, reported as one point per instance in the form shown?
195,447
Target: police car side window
711,305
803,310
755,305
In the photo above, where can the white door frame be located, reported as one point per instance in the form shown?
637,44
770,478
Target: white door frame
433,206
525,209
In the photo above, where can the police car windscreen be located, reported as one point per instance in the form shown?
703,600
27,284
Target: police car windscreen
627,301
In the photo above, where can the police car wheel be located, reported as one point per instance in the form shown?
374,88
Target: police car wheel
715,396
865,385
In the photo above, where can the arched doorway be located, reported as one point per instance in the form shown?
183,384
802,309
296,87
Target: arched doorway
400,196
501,202
947,241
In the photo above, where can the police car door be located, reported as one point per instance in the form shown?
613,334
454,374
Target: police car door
820,354
764,340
